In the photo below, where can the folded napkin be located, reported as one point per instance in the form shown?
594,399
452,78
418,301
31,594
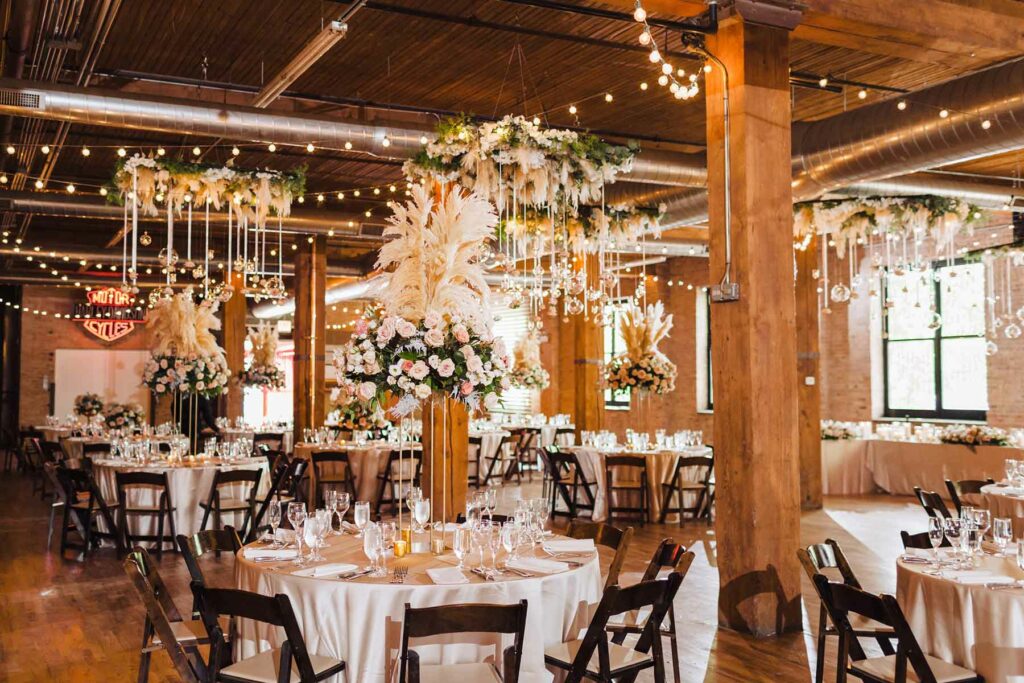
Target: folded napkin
284,536
537,565
977,577
326,570
914,559
447,575
270,553
570,545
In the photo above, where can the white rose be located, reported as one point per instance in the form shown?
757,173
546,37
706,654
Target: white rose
467,351
491,401
433,361
369,357
434,337
395,370
422,391
419,370
474,364
405,328
386,331
432,319
366,390
446,367
200,386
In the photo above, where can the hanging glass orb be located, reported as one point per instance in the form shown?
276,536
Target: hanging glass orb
997,323
574,306
935,322
154,297
515,299
198,272
168,259
1020,314
1012,331
145,240
815,273
840,293
990,348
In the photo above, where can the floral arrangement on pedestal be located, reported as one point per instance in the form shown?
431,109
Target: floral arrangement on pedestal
432,333
848,221
642,367
185,356
833,430
88,405
352,414
515,156
124,416
527,372
263,370
974,435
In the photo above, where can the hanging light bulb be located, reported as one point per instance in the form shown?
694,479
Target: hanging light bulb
823,81
10,149
666,68
348,145
901,105
640,14
235,151
986,124
196,151
944,114
355,193
39,184
645,38
160,151
341,195
707,68
103,192
862,94
368,213
45,149
271,147
70,188
608,97
643,85
655,56
663,80
572,109
320,198
121,152
85,151
3,179
536,120
376,190
301,199
310,147
391,188
423,139
385,142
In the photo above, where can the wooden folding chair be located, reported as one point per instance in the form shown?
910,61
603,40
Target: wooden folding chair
138,484
624,476
965,487
610,537
218,505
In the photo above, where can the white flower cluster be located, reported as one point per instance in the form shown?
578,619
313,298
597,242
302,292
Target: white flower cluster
124,415
974,435
88,405
204,375
832,430
442,355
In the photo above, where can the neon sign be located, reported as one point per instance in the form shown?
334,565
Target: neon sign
109,314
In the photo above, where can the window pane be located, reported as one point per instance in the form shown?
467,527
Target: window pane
964,374
911,375
962,298
910,314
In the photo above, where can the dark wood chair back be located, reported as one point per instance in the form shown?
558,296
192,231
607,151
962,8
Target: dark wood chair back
668,555
275,440
97,448
160,612
965,487
275,611
920,541
820,557
468,618
51,451
932,503
193,548
460,518
320,458
610,537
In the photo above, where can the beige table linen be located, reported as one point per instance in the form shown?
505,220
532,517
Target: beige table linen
660,467
844,468
230,434
969,625
360,621
366,461
188,486
1004,501
54,433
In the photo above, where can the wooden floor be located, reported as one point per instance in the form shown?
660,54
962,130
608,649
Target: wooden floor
64,620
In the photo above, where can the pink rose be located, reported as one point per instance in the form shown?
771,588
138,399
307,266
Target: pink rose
405,328
407,365
361,327
366,390
419,370
432,319
446,367
433,337
466,388
386,331
461,334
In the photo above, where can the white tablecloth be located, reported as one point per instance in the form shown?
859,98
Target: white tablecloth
361,621
188,486
660,467
857,466
968,625
231,434
1004,501
54,433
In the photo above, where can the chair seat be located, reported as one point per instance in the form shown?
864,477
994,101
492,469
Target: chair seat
884,668
84,505
686,485
458,673
619,658
264,668
862,623
628,485
228,505
146,509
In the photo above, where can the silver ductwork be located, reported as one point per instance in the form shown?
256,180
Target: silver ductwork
988,195
109,108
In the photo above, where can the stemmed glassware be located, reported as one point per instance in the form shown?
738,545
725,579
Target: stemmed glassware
341,506
330,503
362,516
935,536
373,548
461,543
494,543
296,515
311,536
1002,532
953,530
482,538
510,539
421,513
274,519
413,494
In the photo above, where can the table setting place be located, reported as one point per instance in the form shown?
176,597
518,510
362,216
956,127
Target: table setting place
971,555
326,546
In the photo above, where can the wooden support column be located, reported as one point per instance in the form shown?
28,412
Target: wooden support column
754,353
233,328
808,364
588,356
445,441
310,334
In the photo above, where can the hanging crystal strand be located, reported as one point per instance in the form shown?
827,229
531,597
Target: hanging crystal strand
170,240
206,251
188,244
124,250
824,271
229,259
245,251
280,253
135,225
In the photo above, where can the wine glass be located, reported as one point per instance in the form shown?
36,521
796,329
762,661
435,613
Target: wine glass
1010,468
325,516
494,543
274,518
1002,532
982,520
935,535
388,532
1020,553
473,513
372,548
362,516
331,503
953,530
540,508
310,533
510,539
421,513
461,542
491,499
296,515
341,507
482,538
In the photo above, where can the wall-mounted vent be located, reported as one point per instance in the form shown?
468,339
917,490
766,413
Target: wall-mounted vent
10,97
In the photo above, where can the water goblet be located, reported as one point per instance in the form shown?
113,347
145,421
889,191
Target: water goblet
494,543
490,500
341,507
953,530
421,513
372,546
482,538
331,503
310,535
510,539
935,536
1002,532
982,520
461,542
1010,468
362,516
296,515
274,519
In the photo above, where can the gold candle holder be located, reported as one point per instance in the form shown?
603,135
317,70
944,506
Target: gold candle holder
401,547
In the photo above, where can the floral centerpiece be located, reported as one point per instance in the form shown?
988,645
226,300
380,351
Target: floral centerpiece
432,334
527,371
88,405
833,430
185,356
125,416
974,435
263,370
353,414
642,367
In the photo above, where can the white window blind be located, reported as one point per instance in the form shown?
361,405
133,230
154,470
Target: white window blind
510,324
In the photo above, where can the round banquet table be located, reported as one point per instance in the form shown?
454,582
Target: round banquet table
189,484
55,434
229,434
360,620
660,467
967,623
366,461
1004,501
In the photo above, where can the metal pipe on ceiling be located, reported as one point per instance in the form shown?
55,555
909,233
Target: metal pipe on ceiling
21,24
180,116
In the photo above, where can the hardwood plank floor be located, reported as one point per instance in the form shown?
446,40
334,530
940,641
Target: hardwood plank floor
64,620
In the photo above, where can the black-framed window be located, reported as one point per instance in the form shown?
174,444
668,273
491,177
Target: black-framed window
934,343
613,346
